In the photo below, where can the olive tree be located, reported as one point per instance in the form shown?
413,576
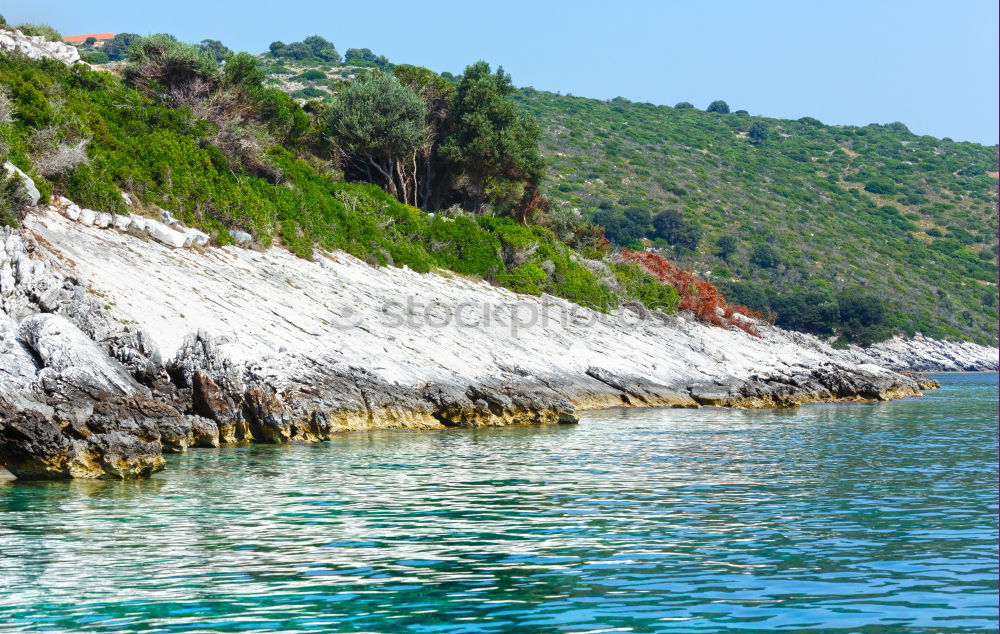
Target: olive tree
378,125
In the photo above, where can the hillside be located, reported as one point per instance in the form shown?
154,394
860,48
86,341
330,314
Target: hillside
911,219
239,161
858,233
834,230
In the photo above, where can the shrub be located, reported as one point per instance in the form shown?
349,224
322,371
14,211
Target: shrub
758,132
684,104
637,284
880,186
14,199
95,57
160,64
696,296
61,158
311,75
764,256
42,30
727,246
244,70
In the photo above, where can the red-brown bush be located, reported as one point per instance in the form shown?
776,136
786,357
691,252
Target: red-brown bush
697,295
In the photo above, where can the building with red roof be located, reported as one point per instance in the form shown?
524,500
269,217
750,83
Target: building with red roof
80,39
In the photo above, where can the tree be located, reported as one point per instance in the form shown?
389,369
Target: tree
297,50
684,104
378,124
277,48
360,55
672,226
758,132
719,106
437,93
94,57
322,48
216,49
117,47
492,144
625,229
764,256
90,41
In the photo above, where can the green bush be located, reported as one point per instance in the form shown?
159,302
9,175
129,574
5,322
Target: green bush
764,256
42,30
880,186
95,57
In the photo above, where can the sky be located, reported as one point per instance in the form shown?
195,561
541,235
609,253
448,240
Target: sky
932,64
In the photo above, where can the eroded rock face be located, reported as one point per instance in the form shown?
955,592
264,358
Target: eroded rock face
37,47
33,447
922,354
99,378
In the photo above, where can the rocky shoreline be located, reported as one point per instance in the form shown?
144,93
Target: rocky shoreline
118,345
923,354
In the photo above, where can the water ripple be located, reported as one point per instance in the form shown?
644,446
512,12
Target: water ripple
833,518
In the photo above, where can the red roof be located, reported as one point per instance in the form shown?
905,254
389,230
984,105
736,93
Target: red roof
80,39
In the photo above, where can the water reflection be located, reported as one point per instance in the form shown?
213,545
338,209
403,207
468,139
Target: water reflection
839,517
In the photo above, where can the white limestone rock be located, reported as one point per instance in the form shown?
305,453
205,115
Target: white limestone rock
72,362
168,218
87,217
241,238
193,237
103,219
37,47
923,354
137,223
162,233
29,185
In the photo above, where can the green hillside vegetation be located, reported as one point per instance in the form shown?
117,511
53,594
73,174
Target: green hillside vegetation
799,220
860,231
854,232
222,151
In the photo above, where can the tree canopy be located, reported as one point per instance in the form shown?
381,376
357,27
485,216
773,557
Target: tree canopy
378,123
719,106
492,143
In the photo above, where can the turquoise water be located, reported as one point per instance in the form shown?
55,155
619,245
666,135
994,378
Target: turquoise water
876,518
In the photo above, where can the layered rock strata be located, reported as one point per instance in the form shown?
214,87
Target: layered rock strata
924,354
116,346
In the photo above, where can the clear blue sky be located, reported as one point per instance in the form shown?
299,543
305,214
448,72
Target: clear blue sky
931,64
